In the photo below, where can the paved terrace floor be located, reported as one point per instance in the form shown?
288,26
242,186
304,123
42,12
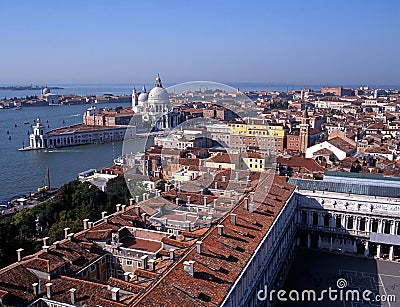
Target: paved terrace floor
318,270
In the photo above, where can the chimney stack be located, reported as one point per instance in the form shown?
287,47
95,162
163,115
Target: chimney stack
103,215
167,187
220,230
246,203
35,287
188,200
66,230
46,241
56,244
46,248
151,264
144,219
251,207
223,178
171,253
144,196
73,295
131,201
19,254
233,218
115,294
137,198
216,185
123,208
199,247
177,201
118,207
188,267
252,196
70,236
90,225
205,200
86,223
48,289
137,210
127,276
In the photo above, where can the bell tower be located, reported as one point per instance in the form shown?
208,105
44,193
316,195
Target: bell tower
304,131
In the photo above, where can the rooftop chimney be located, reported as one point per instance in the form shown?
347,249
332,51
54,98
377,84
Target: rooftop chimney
171,253
188,199
85,223
45,241
144,196
127,276
48,289
223,178
137,198
205,200
46,248
70,236
56,244
167,187
123,208
103,215
73,295
144,218
90,225
66,230
233,218
118,207
252,196
188,267
177,201
137,210
246,203
220,230
115,294
19,252
131,201
151,264
216,185
199,247
251,207
35,287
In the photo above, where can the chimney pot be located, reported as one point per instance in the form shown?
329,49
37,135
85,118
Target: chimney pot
103,214
251,207
115,294
90,225
233,218
171,253
45,241
199,247
177,201
137,198
73,295
19,253
205,200
56,244
131,201
46,248
144,218
246,203
188,199
188,267
48,289
118,207
137,210
35,287
151,264
220,230
85,224
70,236
123,208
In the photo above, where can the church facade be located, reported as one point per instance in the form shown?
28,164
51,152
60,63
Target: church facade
155,107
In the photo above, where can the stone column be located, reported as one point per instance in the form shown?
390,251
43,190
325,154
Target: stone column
308,241
391,253
367,224
344,221
355,247
366,250
320,219
330,244
378,251
380,226
396,226
392,227
357,221
319,242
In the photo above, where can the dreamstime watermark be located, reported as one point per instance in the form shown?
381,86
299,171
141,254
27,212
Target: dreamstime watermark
330,294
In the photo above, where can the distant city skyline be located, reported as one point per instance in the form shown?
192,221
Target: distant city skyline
289,42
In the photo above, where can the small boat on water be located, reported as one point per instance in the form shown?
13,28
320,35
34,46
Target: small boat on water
9,137
26,123
15,125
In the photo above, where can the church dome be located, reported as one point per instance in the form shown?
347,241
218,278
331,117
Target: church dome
143,97
159,94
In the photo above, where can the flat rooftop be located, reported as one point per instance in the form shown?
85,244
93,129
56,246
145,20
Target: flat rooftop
141,244
82,128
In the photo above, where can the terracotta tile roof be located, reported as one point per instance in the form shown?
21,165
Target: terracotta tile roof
222,258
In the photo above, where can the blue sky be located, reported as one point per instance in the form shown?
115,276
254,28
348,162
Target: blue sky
301,42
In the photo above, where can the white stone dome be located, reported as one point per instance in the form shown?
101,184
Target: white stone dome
159,94
143,97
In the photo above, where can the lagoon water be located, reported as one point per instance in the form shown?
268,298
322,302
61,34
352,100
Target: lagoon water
23,171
